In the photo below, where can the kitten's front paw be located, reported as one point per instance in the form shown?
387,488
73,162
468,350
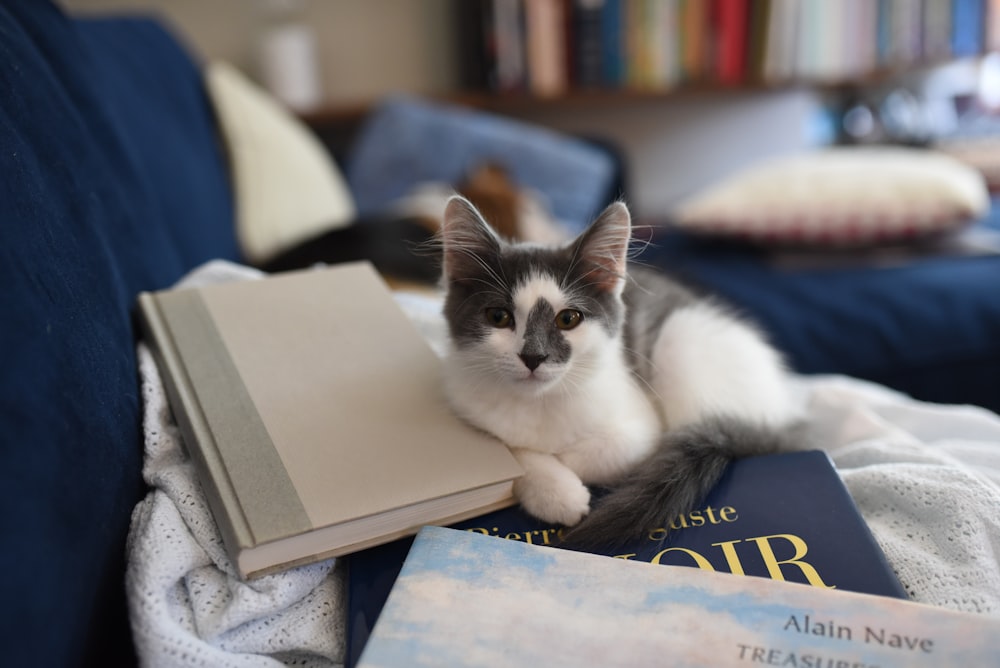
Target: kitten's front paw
557,499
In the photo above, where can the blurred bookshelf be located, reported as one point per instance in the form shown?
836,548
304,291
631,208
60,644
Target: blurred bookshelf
555,48
522,56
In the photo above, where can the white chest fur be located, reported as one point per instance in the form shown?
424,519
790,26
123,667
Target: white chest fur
597,427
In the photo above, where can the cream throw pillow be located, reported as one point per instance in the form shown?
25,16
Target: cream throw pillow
287,186
980,153
844,196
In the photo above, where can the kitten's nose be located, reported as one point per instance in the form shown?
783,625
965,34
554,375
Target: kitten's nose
532,361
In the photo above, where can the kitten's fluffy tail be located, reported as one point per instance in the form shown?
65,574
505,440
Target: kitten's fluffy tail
675,478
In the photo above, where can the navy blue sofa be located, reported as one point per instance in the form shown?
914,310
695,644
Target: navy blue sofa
926,323
113,181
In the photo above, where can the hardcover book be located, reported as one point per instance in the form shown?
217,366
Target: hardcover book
545,46
731,18
587,49
613,61
466,599
313,411
967,27
784,517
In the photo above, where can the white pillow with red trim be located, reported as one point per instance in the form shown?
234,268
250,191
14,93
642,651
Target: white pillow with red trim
980,153
840,197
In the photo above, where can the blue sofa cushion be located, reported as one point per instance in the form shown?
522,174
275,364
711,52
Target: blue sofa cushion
928,326
407,142
111,182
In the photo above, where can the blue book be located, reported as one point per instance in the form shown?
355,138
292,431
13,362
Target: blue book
883,33
612,43
784,517
464,599
967,27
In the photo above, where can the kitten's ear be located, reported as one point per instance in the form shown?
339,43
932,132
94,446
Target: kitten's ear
602,249
466,238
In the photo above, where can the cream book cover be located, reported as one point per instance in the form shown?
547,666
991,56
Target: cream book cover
314,412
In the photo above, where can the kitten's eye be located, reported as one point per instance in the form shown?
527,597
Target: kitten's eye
499,317
568,319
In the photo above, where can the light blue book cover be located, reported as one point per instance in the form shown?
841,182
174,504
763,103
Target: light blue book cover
464,599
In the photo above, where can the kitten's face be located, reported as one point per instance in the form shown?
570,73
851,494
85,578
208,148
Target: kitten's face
528,317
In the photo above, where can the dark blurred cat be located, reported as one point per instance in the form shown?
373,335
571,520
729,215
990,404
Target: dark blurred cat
596,372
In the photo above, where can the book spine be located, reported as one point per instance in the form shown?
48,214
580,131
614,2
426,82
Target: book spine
731,26
883,37
196,434
665,44
967,27
867,27
991,38
612,46
587,52
633,39
508,42
474,22
546,46
655,40
905,32
693,22
760,12
788,27
937,30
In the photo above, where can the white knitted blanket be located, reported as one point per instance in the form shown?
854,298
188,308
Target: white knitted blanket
926,478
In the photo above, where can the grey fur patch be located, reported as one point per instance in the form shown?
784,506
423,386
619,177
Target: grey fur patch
650,298
542,339
491,283
482,270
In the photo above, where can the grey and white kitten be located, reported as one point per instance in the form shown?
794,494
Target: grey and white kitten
594,372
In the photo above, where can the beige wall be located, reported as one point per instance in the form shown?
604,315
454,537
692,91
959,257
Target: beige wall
370,47
366,47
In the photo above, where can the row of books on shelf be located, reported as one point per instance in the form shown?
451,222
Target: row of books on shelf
549,47
311,408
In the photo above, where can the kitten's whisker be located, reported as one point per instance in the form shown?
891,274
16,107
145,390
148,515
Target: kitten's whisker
485,266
